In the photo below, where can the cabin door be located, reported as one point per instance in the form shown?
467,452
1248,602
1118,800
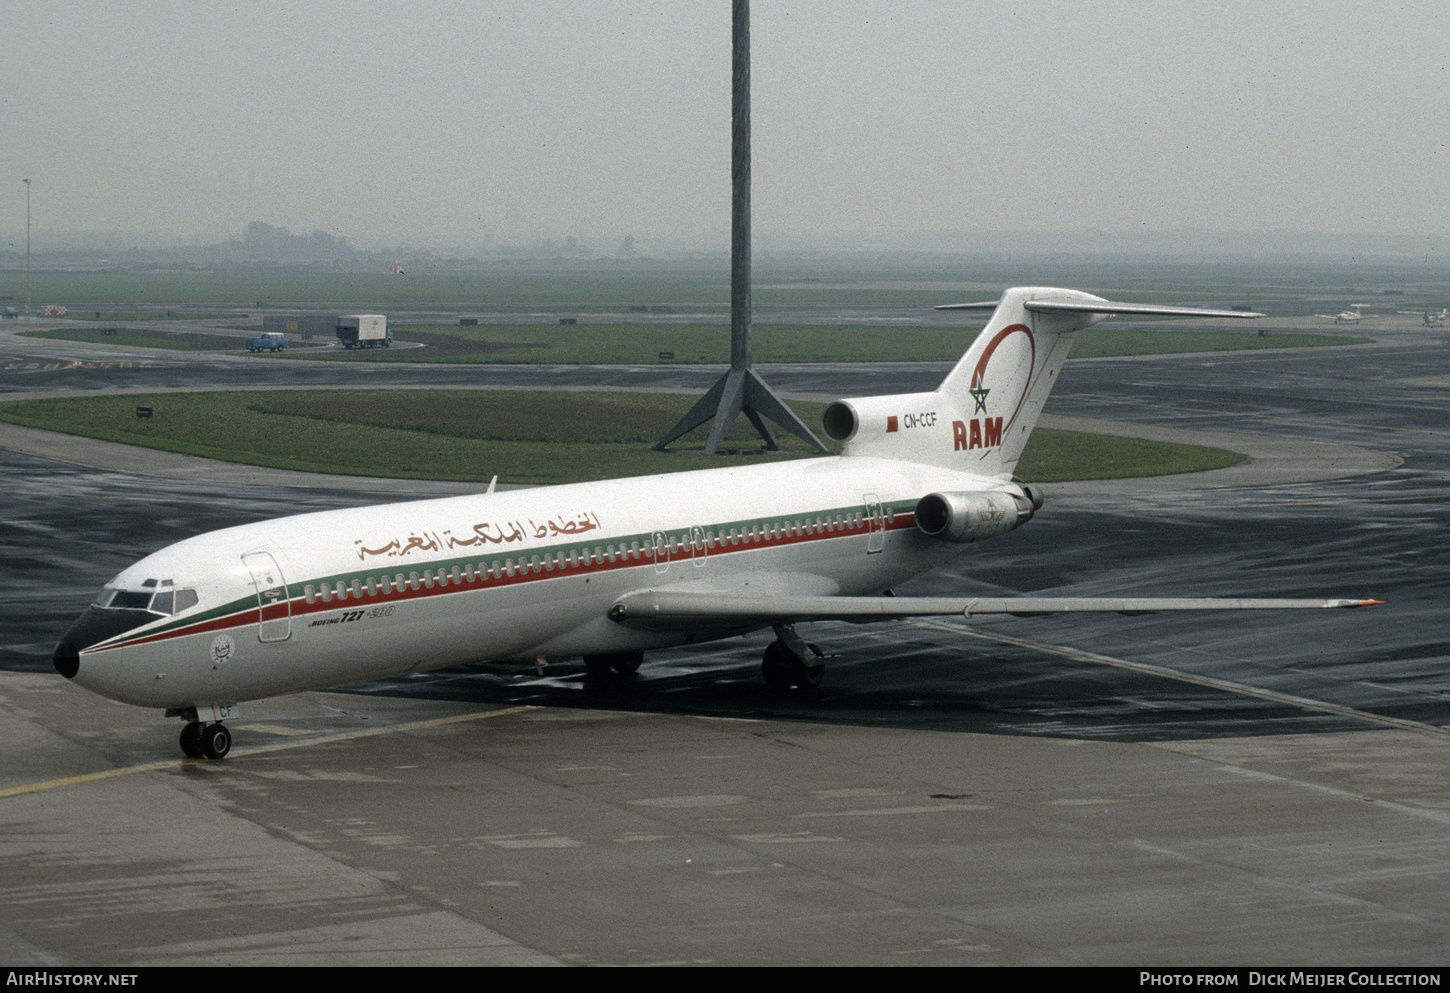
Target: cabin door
697,546
274,607
876,521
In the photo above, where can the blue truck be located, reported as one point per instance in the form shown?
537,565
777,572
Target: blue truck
269,342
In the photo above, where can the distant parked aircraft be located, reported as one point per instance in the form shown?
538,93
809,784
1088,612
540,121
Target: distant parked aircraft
1352,316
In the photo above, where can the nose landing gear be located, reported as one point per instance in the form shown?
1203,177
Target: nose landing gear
200,740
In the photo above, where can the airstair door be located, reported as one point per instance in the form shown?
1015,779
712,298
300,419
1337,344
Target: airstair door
274,607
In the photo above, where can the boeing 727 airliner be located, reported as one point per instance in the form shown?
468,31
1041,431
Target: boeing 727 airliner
606,571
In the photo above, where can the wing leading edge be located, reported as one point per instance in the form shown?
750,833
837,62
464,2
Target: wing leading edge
658,609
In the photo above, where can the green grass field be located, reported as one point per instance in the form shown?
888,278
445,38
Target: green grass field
649,344
782,281
522,436
140,338
643,344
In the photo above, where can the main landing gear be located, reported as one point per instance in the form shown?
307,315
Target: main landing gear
790,663
211,741
616,665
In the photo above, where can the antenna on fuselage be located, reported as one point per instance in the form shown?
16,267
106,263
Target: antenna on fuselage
740,390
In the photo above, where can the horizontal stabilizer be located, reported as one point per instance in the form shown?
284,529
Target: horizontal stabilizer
672,609
1105,307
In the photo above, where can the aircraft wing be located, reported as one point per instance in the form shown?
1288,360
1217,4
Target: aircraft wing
666,609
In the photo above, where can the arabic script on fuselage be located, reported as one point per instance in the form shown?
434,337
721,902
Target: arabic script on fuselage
481,534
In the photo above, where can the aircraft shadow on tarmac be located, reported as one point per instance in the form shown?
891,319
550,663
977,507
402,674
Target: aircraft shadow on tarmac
993,689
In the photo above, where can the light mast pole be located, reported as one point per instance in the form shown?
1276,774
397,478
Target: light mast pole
740,390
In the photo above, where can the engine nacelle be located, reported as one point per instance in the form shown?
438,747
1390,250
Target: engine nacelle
962,517
914,426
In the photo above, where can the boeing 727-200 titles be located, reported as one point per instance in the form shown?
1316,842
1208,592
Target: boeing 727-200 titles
606,571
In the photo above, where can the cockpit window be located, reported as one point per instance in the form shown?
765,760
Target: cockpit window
126,599
163,601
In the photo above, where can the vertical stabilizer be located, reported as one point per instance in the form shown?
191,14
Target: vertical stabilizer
980,417
998,388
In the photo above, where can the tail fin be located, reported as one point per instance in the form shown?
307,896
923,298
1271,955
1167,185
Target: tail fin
980,417
1001,384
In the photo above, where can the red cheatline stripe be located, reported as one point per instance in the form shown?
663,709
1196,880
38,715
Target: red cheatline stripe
525,574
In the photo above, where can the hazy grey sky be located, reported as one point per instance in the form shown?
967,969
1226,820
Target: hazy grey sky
396,122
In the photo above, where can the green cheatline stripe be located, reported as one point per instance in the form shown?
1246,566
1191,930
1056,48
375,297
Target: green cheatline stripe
187,625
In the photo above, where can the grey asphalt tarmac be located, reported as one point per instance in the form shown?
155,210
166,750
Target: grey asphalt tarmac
1157,790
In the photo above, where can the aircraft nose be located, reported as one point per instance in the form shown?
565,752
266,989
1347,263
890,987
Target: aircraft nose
93,627
67,658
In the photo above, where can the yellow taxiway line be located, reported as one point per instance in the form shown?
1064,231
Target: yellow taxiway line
323,739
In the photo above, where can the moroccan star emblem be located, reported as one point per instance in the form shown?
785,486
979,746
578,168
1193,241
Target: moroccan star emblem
979,394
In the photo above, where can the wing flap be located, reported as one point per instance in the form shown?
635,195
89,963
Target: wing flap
676,609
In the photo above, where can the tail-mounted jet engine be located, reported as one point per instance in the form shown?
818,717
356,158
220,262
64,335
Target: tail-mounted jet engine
963,517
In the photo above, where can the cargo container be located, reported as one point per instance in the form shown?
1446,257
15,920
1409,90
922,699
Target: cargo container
364,331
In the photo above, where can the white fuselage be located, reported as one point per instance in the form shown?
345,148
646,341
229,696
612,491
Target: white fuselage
337,596
570,571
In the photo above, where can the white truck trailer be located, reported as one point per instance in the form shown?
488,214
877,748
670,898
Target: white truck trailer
364,331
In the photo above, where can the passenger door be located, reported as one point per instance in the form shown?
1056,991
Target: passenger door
274,607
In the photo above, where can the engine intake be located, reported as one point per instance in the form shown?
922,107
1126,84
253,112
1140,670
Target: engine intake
840,421
963,517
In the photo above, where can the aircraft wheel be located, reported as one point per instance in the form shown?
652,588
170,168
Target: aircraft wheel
615,663
775,667
812,671
626,663
216,741
191,740
783,670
